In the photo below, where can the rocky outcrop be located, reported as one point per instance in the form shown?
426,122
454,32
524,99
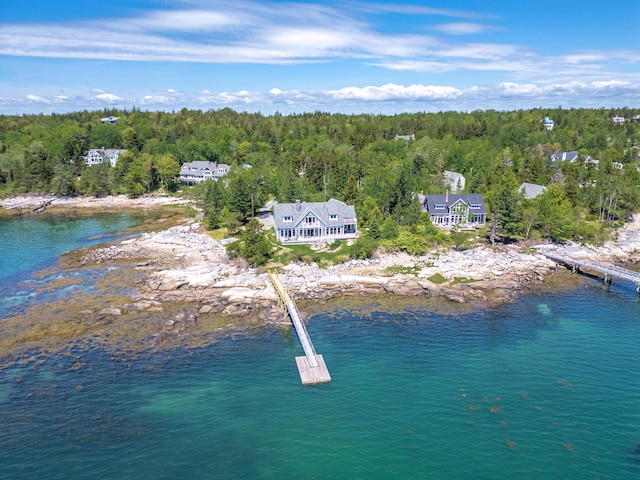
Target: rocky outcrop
184,265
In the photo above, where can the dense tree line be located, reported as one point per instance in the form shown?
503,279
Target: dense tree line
355,158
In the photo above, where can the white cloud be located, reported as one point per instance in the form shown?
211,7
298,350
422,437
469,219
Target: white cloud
252,32
520,90
108,97
37,98
388,98
394,92
189,20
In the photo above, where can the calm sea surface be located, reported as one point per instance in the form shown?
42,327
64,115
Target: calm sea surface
546,387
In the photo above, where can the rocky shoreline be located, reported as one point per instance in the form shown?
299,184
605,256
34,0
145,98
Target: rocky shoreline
183,266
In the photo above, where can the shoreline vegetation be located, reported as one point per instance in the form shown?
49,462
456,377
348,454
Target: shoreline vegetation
184,289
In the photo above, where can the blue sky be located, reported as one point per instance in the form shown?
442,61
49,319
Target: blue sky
300,56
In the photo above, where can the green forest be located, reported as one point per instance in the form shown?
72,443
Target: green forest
353,158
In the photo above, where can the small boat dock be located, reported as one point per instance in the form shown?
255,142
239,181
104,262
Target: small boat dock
18,208
311,366
609,271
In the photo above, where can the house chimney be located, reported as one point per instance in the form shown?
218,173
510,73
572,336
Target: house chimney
446,195
215,165
298,206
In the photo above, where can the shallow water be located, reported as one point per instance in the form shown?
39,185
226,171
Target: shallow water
545,387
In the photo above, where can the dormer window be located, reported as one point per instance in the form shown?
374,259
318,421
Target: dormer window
287,218
333,216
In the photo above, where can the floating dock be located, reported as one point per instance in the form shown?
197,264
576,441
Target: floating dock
311,366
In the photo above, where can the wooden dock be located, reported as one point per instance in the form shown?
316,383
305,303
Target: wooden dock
311,366
609,271
18,208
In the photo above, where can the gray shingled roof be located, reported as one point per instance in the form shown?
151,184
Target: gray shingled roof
198,166
322,211
531,190
441,199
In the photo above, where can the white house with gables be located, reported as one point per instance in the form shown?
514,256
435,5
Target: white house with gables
467,211
454,181
200,170
302,222
97,156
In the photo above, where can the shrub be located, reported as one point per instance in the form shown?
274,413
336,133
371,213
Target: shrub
363,248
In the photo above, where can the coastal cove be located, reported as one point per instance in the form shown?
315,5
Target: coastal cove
178,365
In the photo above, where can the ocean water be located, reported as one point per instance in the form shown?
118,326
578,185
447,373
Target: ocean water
544,387
33,243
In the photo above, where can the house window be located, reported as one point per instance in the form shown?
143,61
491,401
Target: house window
310,219
287,218
333,216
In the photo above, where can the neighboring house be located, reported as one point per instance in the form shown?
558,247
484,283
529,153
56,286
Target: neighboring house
618,165
571,157
109,119
548,123
454,180
200,170
617,119
407,138
465,210
531,190
97,156
302,222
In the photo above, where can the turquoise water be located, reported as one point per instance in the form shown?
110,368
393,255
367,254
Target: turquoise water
545,387
34,242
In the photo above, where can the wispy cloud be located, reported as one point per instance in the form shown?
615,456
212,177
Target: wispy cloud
386,98
462,28
268,33
431,47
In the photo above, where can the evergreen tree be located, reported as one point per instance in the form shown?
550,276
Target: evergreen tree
554,213
255,247
509,207
241,196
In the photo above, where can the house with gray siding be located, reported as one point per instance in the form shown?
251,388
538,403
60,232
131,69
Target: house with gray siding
200,170
465,210
570,157
96,156
303,222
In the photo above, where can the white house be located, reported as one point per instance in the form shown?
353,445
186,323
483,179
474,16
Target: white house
97,156
109,119
548,123
200,170
302,222
406,138
454,180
